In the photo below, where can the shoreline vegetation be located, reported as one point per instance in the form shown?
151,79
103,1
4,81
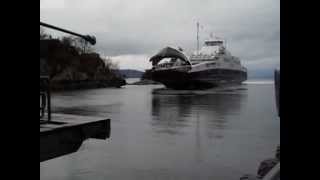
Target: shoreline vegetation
144,82
72,64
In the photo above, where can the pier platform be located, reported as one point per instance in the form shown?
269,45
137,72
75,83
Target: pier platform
66,133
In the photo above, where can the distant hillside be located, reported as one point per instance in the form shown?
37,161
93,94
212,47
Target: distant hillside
130,73
261,74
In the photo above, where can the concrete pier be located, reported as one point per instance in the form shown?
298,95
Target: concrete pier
66,133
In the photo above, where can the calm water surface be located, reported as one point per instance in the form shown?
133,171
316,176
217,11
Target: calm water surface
160,135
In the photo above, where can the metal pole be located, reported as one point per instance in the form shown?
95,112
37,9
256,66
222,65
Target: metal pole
197,37
90,39
277,89
49,100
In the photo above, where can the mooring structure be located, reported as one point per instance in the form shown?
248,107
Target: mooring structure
62,134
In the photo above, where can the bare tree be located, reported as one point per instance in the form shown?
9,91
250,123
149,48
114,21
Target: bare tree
43,34
82,46
67,41
110,64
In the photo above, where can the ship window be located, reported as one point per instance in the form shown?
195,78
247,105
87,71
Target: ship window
213,43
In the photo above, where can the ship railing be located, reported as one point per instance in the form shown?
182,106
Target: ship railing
171,66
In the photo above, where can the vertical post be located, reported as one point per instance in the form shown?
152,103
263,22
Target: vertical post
277,89
197,37
49,100
45,97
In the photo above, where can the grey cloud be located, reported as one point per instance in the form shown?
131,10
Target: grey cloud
251,27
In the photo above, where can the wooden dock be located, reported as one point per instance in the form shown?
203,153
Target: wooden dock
66,133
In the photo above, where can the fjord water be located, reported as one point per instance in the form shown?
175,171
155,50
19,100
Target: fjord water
200,135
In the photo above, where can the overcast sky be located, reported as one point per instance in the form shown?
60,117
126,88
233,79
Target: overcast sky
131,31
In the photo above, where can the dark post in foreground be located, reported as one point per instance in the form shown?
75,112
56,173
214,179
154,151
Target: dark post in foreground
277,89
45,97
63,134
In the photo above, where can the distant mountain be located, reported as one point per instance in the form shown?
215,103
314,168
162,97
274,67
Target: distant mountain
261,74
130,73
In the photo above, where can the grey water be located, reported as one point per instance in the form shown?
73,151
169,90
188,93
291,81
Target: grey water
203,135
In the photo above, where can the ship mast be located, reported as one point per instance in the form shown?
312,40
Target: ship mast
197,37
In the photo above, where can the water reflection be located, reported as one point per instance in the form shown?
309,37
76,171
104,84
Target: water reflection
201,135
201,119
173,113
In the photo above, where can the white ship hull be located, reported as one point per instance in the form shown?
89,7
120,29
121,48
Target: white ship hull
212,66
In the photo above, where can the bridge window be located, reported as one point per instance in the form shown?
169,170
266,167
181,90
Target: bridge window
213,43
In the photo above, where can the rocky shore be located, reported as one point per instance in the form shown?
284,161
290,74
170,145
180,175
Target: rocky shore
69,69
86,84
265,167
